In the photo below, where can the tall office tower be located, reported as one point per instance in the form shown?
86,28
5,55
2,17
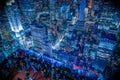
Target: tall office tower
39,29
104,53
82,10
13,13
39,36
80,23
8,44
52,9
27,12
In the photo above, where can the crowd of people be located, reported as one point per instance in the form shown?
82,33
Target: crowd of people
21,61
39,68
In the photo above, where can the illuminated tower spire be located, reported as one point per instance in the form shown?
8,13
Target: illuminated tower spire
81,10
